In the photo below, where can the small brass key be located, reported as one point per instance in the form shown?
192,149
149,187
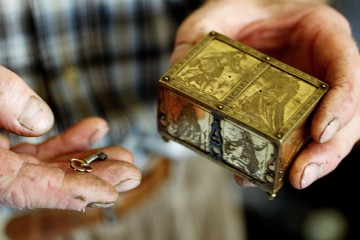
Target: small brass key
83,165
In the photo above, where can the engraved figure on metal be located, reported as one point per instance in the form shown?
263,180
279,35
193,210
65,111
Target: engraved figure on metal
246,151
266,99
214,73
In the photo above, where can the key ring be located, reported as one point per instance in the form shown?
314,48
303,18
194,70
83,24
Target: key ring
83,165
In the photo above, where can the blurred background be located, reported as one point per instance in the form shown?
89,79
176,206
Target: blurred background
329,208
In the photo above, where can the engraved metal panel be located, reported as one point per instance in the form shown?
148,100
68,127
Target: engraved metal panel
239,108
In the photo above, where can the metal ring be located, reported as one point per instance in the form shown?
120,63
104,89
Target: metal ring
80,165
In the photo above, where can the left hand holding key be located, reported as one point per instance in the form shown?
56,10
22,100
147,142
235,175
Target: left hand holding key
40,176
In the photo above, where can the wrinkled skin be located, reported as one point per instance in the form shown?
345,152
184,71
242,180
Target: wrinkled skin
312,37
39,176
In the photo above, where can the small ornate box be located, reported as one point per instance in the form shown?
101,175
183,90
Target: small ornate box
239,108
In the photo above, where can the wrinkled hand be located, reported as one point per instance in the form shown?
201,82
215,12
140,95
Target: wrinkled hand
311,37
39,175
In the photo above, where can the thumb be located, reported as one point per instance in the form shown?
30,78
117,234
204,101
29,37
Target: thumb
23,112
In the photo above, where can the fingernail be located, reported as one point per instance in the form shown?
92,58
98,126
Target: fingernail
98,134
311,173
330,130
36,115
127,185
100,204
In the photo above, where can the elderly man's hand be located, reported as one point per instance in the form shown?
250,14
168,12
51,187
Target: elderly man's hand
311,37
39,175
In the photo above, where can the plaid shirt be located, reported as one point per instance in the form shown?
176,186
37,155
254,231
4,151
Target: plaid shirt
92,57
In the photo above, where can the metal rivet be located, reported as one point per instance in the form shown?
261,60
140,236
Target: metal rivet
267,58
323,85
271,196
166,78
220,107
279,136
